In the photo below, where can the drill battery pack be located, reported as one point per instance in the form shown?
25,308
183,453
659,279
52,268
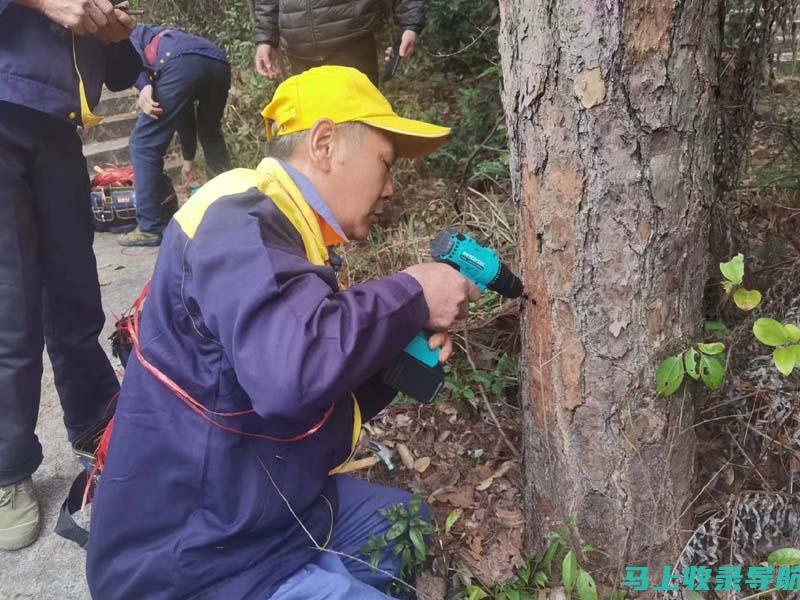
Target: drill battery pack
413,378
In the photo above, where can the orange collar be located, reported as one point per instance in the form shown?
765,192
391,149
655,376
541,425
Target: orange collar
329,235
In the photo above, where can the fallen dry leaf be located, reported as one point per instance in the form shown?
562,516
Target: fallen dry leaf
511,518
461,497
485,484
406,456
421,464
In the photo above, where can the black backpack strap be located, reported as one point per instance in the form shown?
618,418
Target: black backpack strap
66,526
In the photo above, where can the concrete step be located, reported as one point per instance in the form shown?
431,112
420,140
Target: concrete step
112,127
114,151
114,103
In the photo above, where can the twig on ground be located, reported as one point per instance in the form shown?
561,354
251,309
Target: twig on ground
482,391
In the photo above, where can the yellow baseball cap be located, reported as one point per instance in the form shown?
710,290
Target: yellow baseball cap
344,94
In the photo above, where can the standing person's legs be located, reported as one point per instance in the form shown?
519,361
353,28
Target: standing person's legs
72,311
174,89
212,96
21,338
361,54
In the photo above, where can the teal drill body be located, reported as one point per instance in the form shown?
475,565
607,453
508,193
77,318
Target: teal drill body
480,265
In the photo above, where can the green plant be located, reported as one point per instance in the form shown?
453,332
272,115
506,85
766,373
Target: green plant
406,533
733,274
784,337
502,376
698,362
539,573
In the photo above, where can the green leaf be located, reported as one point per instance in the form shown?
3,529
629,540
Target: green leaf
419,543
747,299
785,557
733,270
690,363
712,371
692,595
715,329
415,503
770,332
540,579
569,571
454,516
792,332
551,552
669,375
476,593
714,348
587,590
396,530
784,359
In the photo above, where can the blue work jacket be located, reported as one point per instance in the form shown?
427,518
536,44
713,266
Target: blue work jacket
245,314
171,45
37,68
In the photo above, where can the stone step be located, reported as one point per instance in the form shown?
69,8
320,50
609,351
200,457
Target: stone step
112,127
114,152
117,152
114,103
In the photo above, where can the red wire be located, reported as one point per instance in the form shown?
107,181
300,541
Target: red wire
113,175
198,408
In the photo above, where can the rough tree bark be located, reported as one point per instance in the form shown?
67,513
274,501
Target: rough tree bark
611,110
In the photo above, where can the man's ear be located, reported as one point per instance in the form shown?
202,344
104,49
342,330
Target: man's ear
322,140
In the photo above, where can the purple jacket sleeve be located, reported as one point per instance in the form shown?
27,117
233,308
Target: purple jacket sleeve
3,4
296,343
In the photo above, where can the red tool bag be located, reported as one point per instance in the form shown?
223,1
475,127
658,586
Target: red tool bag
113,199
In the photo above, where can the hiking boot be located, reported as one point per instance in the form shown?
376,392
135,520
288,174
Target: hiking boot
19,515
137,237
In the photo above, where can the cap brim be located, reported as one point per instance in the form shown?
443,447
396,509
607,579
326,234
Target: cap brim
414,138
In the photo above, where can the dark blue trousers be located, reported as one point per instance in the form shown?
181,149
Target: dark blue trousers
49,292
336,577
181,82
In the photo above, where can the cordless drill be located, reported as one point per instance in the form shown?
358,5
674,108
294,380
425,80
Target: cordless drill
416,371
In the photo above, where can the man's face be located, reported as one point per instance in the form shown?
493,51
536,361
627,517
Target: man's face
362,180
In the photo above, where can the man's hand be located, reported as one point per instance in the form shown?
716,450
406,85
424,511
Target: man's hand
119,30
267,61
80,16
443,340
187,170
408,42
147,105
447,293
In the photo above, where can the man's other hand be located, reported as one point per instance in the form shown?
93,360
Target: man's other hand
147,105
118,30
408,42
80,16
447,294
267,61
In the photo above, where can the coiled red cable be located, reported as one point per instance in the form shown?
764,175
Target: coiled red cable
204,412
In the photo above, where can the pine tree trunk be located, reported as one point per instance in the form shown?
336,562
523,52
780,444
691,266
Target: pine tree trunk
611,112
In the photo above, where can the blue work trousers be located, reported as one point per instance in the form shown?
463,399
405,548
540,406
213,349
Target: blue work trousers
335,577
181,82
49,291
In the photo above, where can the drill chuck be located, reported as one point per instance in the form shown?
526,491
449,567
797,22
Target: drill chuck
506,283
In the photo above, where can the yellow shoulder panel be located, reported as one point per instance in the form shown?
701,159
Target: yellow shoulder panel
274,182
236,181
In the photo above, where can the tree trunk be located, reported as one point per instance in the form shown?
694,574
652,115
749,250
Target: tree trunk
611,110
